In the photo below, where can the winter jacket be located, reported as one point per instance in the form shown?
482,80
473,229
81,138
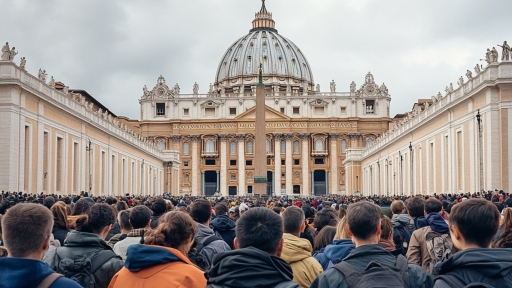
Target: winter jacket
421,222
155,220
213,248
225,227
249,268
28,273
116,238
359,258
297,253
60,234
116,229
132,238
479,265
157,266
80,245
334,253
418,252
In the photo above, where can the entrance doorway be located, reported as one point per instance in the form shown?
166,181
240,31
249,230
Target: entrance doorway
319,182
296,189
232,190
210,183
270,183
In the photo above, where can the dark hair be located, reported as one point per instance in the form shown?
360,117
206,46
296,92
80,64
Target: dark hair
173,230
415,206
450,206
140,216
121,205
477,220
81,206
293,218
201,211
260,228
159,207
221,209
432,205
325,217
363,219
124,220
48,201
342,212
99,216
324,238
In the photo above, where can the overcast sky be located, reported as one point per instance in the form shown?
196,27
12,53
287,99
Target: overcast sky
113,48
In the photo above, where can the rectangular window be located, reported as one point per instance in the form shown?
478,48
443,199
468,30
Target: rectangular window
319,110
283,175
232,190
296,189
233,177
269,162
282,110
370,106
283,162
160,109
209,162
186,112
248,163
343,110
297,161
185,163
296,110
249,189
232,162
319,161
209,111
249,176
232,111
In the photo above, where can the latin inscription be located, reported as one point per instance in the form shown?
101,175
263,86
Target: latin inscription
268,125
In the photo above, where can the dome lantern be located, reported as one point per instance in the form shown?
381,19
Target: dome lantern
263,20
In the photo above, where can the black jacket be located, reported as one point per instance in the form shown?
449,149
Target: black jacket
79,245
479,265
60,234
225,227
249,268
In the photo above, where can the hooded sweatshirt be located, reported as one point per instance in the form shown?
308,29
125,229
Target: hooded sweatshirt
157,266
248,267
479,265
437,223
297,252
22,272
225,227
402,220
334,253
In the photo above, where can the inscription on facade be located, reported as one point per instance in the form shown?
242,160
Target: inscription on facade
269,125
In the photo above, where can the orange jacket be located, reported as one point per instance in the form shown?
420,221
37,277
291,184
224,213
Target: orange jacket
156,266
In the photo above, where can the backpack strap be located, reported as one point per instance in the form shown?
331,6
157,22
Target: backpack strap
403,265
452,280
101,258
207,241
351,275
49,280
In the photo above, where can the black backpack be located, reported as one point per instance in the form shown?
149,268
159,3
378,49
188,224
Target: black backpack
402,236
82,270
376,275
196,257
454,281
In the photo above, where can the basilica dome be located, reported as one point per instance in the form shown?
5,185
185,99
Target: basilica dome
284,65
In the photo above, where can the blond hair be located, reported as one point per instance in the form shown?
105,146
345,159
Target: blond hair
341,231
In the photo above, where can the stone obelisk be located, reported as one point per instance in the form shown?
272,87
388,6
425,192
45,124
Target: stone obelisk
260,155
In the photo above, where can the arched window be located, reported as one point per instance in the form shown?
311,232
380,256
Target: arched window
210,146
343,146
369,142
283,146
185,148
249,147
161,145
232,147
319,146
268,146
296,147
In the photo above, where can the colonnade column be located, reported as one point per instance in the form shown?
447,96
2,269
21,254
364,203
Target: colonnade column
305,164
289,167
223,165
277,164
195,164
241,164
334,137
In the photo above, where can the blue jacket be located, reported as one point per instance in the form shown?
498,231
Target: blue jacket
25,273
334,253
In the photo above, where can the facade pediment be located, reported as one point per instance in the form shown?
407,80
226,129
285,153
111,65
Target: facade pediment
270,114
318,103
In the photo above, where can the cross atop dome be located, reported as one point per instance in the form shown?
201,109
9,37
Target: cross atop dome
263,20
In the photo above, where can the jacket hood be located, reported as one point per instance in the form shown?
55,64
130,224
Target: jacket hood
143,256
223,223
22,272
235,268
295,249
401,220
421,222
84,239
339,249
491,263
204,231
437,223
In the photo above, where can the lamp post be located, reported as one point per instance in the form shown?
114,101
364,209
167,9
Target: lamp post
411,173
89,148
481,152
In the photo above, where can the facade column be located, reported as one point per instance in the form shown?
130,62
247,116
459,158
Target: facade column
176,145
202,184
306,190
223,165
289,164
195,164
241,164
277,164
334,137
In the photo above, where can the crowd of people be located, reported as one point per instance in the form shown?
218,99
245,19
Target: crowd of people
329,241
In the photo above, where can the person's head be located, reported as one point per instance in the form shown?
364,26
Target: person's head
140,217
293,220
121,205
48,201
260,228
81,206
324,238
26,230
221,209
363,223
386,227
201,211
98,220
341,232
234,213
432,205
415,207
506,223
397,207
325,217
175,230
473,223
60,215
124,221
342,212
159,207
